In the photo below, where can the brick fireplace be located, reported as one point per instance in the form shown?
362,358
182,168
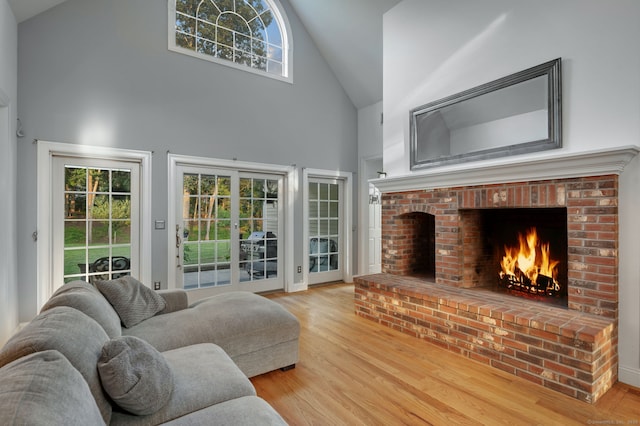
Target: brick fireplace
432,287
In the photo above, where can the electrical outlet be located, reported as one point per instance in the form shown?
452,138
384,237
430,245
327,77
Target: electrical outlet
299,269
156,285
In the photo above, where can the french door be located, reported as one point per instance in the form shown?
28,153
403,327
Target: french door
228,230
96,219
325,230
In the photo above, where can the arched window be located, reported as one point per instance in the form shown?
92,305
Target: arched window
248,34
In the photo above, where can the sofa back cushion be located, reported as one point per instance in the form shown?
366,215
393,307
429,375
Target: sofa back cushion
44,388
87,299
72,333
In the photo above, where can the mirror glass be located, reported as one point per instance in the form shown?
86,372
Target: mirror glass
516,114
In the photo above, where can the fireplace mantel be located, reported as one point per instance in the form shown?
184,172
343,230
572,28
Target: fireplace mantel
551,166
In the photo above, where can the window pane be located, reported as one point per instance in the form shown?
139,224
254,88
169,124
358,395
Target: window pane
224,5
121,181
207,252
258,189
75,206
224,185
75,233
121,232
187,6
259,63
324,191
185,24
334,192
242,58
121,207
223,229
313,191
224,208
206,31
207,11
207,47
224,37
275,54
75,179
191,253
273,31
333,209
208,185
274,67
185,41
98,232
333,227
98,180
74,261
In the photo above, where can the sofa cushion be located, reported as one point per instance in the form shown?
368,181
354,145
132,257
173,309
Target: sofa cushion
132,301
75,335
247,410
44,388
135,375
239,322
204,375
87,299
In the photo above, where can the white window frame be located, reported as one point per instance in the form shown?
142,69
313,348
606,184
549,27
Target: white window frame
46,151
289,176
287,44
347,211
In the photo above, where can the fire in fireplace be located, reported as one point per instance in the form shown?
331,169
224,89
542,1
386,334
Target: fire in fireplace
529,266
523,251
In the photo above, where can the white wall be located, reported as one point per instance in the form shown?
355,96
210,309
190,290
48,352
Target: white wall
8,241
370,124
436,48
99,72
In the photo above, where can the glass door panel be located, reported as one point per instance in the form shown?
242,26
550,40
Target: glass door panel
93,201
324,224
259,228
206,218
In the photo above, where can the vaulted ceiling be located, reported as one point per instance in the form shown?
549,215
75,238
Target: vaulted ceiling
348,33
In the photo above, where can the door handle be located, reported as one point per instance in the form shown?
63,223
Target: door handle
178,244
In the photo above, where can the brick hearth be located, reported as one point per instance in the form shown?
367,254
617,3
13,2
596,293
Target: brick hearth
571,350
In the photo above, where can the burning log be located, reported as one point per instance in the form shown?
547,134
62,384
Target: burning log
543,285
529,267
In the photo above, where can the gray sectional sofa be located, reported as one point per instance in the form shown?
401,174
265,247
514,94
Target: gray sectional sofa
120,353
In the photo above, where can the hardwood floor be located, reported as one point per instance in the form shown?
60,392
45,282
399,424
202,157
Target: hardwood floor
353,371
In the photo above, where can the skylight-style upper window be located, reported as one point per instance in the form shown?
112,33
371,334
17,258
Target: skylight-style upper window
246,34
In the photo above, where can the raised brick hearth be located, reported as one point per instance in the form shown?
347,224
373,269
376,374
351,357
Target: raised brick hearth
570,349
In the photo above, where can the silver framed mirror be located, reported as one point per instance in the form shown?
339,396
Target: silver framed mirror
516,114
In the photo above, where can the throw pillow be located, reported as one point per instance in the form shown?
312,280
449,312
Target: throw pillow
132,301
135,375
44,388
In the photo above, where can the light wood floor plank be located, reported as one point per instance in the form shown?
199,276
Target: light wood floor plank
353,371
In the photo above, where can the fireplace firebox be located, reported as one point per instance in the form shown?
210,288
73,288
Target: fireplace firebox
518,251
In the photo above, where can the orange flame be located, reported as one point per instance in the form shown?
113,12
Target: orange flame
531,258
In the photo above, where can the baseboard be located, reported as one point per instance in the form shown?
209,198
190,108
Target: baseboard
630,376
301,286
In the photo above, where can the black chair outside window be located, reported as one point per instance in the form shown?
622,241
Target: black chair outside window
118,263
